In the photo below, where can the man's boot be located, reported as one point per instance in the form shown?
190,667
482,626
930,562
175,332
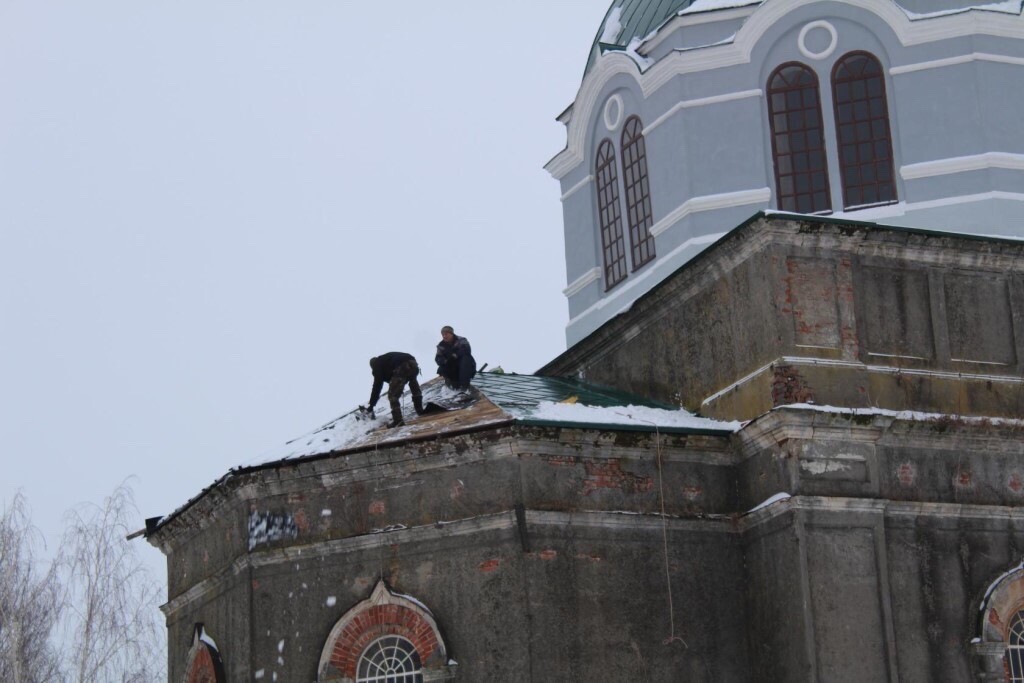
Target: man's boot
417,403
396,419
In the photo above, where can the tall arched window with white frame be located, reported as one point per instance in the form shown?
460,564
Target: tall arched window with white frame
609,213
862,130
638,192
1014,657
798,140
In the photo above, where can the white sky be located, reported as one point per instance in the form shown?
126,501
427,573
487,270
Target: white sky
213,213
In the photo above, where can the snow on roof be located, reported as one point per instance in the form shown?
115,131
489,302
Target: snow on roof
631,415
907,415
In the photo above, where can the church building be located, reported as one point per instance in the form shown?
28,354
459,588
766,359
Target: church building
785,441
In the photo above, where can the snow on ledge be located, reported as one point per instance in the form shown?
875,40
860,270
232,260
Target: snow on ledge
1006,7
639,416
909,415
771,501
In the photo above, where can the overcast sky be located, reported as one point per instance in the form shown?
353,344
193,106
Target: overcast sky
213,213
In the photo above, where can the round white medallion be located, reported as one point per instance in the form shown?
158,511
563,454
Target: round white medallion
816,30
613,109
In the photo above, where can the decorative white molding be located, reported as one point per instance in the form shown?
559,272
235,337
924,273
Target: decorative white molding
711,202
702,102
903,208
976,162
613,111
737,52
577,187
682,20
953,61
801,41
592,275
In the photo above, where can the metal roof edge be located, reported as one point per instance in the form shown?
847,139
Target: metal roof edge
612,427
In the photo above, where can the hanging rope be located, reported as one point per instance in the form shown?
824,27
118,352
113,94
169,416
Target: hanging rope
664,540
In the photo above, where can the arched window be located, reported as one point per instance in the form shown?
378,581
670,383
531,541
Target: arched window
862,125
1015,649
391,659
798,141
612,244
638,192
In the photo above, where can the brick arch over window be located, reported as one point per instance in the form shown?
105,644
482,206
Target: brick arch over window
204,665
798,140
609,214
998,650
863,133
383,614
638,192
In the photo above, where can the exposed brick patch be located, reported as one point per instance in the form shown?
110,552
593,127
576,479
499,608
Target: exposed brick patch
906,474
376,622
589,558
548,554
692,493
1016,482
202,669
789,387
562,461
962,478
489,565
301,520
378,507
610,475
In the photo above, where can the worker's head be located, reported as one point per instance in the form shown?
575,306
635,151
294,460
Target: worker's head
373,362
448,334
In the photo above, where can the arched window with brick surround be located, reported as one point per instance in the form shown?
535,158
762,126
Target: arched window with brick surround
998,647
638,192
798,140
387,637
204,665
862,128
609,213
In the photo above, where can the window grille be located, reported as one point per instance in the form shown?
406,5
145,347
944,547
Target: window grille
1015,649
798,141
862,128
612,243
638,192
391,659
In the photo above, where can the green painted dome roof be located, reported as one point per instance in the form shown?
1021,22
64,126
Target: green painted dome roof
627,20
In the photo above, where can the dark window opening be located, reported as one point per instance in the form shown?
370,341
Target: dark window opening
612,242
798,140
638,192
862,128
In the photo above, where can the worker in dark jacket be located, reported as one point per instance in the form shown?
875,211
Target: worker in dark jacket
454,359
397,369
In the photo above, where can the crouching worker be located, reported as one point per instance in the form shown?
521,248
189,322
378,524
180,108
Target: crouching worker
454,359
397,369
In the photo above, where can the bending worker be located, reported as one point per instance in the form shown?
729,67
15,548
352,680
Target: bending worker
454,359
397,369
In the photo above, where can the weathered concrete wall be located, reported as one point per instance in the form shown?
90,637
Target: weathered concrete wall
810,311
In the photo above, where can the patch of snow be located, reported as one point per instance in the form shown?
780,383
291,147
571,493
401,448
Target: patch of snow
631,51
711,5
771,501
205,637
821,467
259,674
325,513
280,645
331,601
280,661
912,415
452,662
612,27
975,639
1006,7
414,601
621,415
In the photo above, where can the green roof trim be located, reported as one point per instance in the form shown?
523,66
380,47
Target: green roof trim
520,392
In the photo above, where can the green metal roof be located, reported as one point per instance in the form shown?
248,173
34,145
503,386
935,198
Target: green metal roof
639,18
520,392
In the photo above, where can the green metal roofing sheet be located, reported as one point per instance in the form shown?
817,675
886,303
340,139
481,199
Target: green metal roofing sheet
520,392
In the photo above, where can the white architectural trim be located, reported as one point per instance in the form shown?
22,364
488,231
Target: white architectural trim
976,162
616,296
577,187
711,202
681,20
612,119
903,208
702,102
592,275
801,41
737,52
953,61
